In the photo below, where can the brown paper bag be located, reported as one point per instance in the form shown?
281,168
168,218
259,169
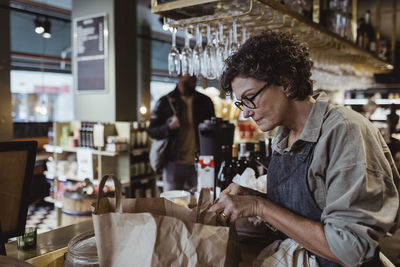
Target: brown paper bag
157,232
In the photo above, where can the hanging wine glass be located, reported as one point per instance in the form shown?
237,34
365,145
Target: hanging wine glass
228,43
174,62
220,51
203,64
244,35
198,53
234,47
187,56
209,57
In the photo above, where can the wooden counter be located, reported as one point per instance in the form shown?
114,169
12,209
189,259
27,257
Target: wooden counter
49,241
51,247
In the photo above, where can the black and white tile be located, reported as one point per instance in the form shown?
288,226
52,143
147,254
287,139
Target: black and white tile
42,216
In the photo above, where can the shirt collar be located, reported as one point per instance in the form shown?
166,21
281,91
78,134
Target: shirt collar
312,128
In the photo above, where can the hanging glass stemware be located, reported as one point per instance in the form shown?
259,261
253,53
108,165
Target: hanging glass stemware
174,62
220,52
198,53
244,34
234,45
209,57
228,44
187,57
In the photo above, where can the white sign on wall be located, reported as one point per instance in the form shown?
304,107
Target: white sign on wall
85,163
26,82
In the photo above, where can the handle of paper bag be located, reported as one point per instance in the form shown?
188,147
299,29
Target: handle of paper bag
118,194
203,203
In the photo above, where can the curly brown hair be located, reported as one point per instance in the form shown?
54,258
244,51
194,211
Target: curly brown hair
274,57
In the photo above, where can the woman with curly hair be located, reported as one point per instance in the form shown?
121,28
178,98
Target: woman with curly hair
331,184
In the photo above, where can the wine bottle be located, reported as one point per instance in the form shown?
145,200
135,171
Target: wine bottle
82,142
224,174
323,13
144,133
255,161
252,153
369,33
234,160
242,163
366,33
90,134
135,135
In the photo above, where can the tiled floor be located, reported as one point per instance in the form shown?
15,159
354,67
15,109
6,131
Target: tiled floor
42,216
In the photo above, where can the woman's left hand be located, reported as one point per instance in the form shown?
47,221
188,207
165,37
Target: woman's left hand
233,207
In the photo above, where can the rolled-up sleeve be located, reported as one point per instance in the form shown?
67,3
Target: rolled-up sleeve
361,199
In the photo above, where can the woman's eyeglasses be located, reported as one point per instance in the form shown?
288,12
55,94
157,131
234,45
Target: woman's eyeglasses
249,102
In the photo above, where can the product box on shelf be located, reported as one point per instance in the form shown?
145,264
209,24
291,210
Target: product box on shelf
205,173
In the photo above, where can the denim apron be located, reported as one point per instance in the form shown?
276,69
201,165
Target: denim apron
287,186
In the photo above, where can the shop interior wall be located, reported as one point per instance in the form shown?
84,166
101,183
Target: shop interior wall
92,106
118,102
385,22
6,130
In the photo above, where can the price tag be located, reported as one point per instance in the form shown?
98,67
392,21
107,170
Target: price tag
85,163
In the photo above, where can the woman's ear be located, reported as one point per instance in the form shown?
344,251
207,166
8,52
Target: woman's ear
286,90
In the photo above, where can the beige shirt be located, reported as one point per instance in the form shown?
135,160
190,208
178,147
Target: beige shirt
352,179
187,135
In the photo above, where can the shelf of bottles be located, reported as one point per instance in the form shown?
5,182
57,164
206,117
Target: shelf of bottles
140,148
235,160
120,148
375,103
227,24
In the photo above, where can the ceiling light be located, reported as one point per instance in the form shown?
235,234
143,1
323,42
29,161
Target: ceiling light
143,109
47,26
39,29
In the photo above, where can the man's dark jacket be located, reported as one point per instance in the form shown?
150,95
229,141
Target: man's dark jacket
203,109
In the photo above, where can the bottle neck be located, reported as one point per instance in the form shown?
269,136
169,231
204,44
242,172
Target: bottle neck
234,151
226,153
262,150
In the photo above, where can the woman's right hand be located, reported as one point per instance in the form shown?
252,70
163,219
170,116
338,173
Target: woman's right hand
235,189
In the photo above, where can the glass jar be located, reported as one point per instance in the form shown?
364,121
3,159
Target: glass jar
82,251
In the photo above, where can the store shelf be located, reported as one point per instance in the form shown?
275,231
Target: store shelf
363,101
259,15
49,200
60,149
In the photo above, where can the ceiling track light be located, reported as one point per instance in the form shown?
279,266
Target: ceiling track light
39,29
47,27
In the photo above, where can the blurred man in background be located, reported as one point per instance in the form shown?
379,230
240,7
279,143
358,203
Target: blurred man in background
176,116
